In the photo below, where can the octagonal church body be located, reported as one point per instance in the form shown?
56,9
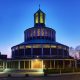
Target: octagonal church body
39,49
40,42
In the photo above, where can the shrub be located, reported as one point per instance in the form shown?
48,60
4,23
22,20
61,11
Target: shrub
51,71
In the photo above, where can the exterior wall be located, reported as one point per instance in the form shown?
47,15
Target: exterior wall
39,33
38,64
41,50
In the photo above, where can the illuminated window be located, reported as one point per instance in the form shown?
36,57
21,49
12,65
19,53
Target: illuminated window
31,33
12,49
36,46
59,47
46,33
46,46
36,17
21,47
42,32
28,34
38,32
49,33
41,17
28,46
34,32
16,48
53,46
64,48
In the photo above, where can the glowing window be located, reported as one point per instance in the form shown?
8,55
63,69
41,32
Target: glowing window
34,33
41,17
36,17
38,32
46,46
21,47
28,46
53,46
36,46
59,47
16,48
46,33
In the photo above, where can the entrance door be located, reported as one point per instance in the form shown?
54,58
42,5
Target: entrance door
36,64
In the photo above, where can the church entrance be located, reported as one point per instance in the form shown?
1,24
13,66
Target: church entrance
36,64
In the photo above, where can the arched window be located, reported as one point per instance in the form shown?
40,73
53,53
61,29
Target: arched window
42,32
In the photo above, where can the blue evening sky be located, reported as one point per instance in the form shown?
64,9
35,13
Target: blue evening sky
17,15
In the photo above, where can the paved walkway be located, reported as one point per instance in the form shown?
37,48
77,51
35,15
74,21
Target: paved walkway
55,77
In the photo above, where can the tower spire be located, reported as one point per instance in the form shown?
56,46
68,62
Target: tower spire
39,17
39,6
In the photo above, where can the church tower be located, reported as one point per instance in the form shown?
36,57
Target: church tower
39,18
40,41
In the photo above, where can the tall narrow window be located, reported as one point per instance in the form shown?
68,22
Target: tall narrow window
38,32
31,33
42,32
34,33
41,18
36,17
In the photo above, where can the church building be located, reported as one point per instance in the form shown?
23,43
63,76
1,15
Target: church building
40,50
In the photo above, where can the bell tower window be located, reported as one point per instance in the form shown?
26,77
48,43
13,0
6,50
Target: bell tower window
41,18
36,17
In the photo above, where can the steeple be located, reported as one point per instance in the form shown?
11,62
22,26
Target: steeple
39,6
39,17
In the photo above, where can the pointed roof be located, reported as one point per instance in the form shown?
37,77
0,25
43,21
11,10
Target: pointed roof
39,11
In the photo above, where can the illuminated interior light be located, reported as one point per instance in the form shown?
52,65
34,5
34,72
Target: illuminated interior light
36,60
21,47
59,47
28,46
16,48
38,32
36,17
53,46
41,17
37,56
